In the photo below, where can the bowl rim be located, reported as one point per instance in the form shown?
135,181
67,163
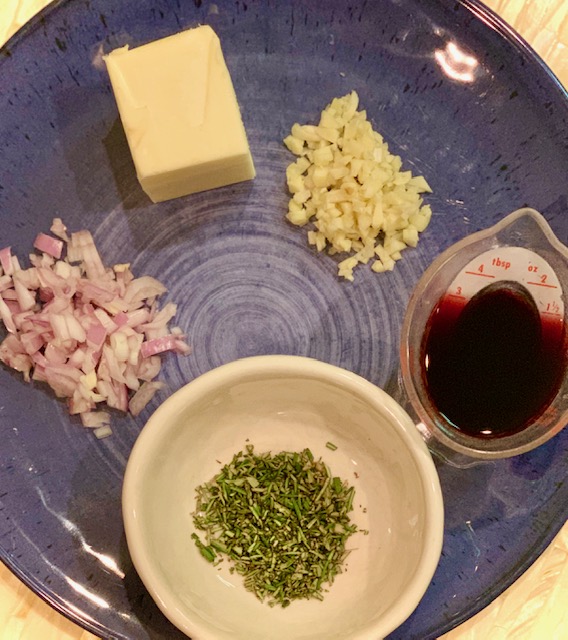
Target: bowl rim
157,427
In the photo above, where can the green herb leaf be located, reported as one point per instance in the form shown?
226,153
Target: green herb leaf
282,520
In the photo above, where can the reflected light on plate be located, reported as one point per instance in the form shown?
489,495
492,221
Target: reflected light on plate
70,526
455,63
477,550
104,559
93,597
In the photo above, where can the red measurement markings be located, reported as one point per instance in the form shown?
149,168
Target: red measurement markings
458,294
542,284
476,273
552,309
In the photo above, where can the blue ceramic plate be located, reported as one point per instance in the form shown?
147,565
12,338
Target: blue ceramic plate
490,136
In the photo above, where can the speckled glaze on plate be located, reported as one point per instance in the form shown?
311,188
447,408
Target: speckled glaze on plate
488,130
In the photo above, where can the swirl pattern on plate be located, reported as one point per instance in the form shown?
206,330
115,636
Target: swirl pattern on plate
247,283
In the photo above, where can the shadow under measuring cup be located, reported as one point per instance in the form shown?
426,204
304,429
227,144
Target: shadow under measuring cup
484,345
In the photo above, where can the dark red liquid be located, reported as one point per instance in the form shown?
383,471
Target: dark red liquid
493,365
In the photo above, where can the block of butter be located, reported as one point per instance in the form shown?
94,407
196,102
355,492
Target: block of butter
180,113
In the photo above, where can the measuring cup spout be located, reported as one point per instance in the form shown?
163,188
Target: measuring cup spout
527,227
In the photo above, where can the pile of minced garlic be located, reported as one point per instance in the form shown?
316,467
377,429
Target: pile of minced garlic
346,178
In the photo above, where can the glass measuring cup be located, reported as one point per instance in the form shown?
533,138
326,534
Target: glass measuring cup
501,288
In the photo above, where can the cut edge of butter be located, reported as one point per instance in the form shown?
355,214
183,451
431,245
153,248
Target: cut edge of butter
180,114
180,184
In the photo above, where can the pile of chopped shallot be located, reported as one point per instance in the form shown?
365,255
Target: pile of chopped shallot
92,333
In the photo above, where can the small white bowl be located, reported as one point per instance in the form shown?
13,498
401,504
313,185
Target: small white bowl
285,403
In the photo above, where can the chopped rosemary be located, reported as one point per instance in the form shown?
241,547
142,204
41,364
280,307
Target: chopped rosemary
331,446
281,519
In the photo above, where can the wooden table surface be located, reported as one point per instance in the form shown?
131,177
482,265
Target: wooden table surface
535,607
